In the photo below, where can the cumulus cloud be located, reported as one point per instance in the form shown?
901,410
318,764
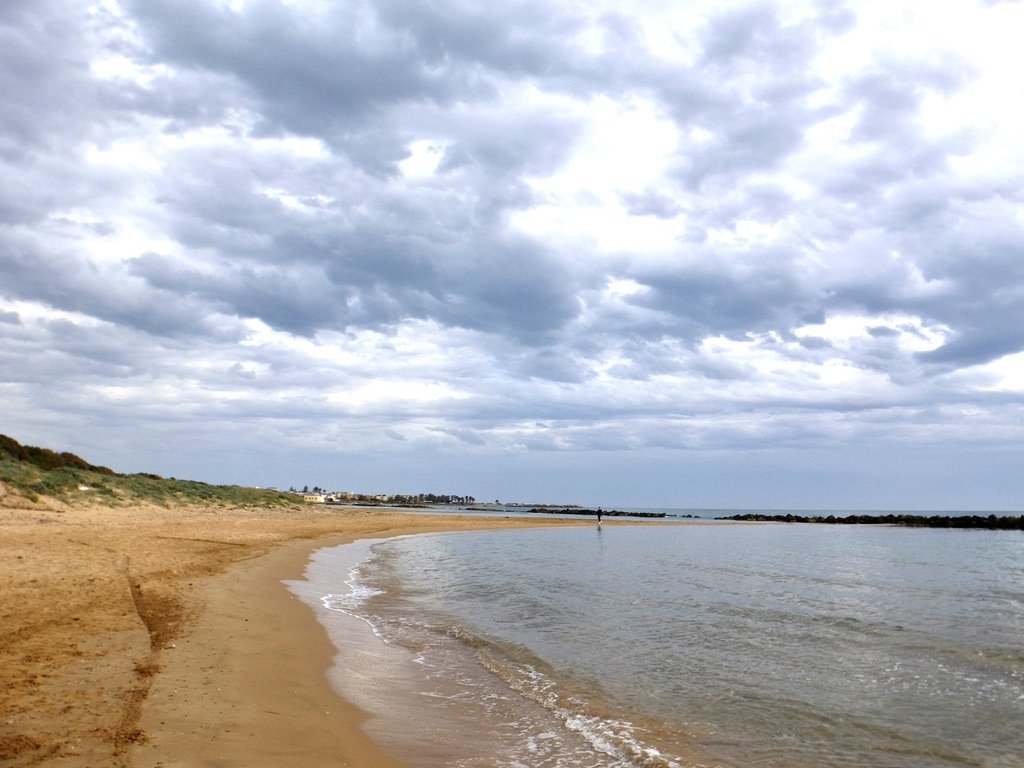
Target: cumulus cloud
419,229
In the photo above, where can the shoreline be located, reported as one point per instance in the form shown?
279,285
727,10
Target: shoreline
249,683
144,635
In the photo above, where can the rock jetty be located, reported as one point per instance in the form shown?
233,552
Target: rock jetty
986,522
591,512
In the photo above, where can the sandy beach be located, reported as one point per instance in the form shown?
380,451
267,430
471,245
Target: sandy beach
145,636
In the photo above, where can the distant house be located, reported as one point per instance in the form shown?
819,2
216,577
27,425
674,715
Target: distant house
314,498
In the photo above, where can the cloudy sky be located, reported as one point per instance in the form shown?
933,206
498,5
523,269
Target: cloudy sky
665,253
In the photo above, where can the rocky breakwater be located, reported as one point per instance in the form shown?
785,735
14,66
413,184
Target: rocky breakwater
591,512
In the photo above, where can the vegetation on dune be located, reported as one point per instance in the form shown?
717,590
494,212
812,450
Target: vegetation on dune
44,458
37,472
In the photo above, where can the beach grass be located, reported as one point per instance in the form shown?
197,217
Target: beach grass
35,473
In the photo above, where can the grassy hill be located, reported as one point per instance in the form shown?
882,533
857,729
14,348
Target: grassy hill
34,472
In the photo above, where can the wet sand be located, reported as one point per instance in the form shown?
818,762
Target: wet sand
154,637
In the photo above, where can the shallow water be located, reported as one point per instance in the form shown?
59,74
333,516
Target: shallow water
731,645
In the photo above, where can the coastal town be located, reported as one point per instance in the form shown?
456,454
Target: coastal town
317,495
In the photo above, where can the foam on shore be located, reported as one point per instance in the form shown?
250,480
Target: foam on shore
440,696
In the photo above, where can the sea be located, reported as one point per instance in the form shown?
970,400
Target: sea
672,645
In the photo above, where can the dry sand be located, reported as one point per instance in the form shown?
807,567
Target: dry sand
149,637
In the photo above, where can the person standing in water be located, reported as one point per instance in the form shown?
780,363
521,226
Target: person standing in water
598,515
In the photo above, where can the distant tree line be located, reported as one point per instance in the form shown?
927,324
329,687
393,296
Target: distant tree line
988,522
305,489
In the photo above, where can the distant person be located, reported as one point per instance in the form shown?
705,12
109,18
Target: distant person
599,515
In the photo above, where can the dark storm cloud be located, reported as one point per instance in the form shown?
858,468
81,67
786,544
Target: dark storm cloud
943,250
287,299
373,254
411,256
986,305
78,285
187,99
303,280
48,107
712,291
747,89
331,73
45,81
357,77
342,75
523,38
340,66
310,71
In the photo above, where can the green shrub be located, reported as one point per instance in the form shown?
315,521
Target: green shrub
36,472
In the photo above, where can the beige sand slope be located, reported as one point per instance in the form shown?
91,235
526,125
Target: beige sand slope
163,637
